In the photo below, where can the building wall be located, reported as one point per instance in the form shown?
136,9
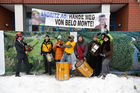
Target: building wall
6,16
63,1
134,16
122,18
129,17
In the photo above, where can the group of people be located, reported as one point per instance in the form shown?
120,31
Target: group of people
99,52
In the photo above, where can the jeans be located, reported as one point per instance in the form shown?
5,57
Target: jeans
48,65
66,58
105,67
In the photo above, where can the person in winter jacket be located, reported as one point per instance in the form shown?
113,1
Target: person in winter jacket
101,39
106,53
58,50
69,47
47,49
21,54
67,55
95,60
81,48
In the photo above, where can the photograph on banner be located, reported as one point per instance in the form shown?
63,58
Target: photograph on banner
34,57
126,50
88,20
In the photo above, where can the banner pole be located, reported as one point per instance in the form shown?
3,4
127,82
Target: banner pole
83,30
57,29
70,29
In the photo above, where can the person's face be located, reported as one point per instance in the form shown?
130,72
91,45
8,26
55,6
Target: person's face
102,36
80,39
106,39
47,38
94,38
36,15
102,20
59,40
70,39
20,38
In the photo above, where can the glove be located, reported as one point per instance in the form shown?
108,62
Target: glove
85,58
41,54
103,55
61,44
77,56
58,47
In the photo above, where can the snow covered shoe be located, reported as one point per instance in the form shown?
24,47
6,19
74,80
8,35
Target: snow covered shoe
29,73
103,77
45,72
17,75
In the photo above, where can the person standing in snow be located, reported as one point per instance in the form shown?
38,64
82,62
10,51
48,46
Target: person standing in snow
46,51
95,60
80,50
107,51
21,54
69,47
58,50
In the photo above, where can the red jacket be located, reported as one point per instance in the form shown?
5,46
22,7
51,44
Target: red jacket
80,53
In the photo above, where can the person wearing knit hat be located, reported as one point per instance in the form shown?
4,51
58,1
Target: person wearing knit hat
58,50
80,50
106,53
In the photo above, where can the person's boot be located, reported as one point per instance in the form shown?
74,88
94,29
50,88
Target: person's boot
45,72
71,73
76,72
103,77
29,73
50,73
17,75
93,74
50,68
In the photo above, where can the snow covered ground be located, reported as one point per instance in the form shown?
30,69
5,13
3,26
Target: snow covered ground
48,84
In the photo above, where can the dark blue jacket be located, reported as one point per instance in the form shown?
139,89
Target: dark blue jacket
20,48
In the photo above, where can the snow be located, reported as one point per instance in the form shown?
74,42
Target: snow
48,84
